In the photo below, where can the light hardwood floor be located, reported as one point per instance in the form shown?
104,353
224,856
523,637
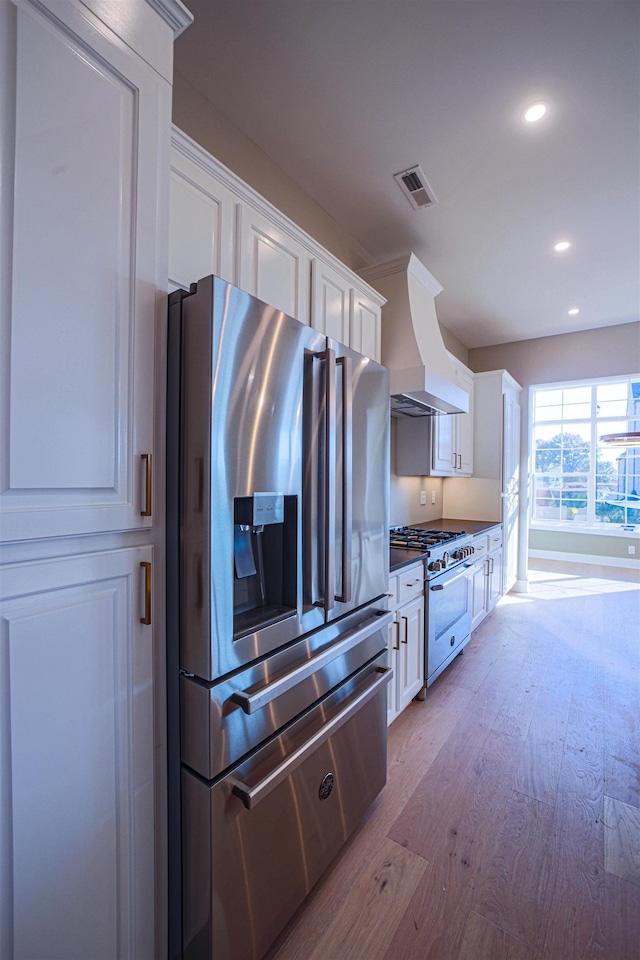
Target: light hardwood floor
509,828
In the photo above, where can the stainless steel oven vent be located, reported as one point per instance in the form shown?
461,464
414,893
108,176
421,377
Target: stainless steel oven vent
413,184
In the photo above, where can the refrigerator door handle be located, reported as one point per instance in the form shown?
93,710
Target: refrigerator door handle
330,480
252,702
347,478
251,796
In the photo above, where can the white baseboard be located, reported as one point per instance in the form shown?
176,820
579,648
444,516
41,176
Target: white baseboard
632,563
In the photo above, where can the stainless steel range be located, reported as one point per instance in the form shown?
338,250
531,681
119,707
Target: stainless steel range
447,595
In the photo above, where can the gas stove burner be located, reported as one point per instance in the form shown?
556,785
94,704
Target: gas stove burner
416,538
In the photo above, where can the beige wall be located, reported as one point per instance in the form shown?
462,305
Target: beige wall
605,352
204,123
593,544
585,355
405,493
453,345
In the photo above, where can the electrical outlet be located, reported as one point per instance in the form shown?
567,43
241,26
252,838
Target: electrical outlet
433,496
631,550
423,497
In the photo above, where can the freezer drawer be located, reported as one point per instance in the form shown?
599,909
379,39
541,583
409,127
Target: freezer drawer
256,841
224,721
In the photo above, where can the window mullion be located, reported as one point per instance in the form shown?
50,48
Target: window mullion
593,459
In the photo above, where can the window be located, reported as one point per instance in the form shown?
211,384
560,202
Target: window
577,478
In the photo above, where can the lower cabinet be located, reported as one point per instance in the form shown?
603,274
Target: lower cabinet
485,576
406,638
76,757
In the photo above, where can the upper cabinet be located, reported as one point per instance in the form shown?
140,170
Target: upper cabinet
81,177
453,434
219,225
365,323
438,446
201,224
272,264
343,310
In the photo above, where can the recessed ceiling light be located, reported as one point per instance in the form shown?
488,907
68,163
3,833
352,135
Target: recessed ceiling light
561,245
534,112
573,311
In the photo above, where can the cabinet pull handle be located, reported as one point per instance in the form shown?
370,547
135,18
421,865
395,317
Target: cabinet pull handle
146,459
406,631
459,461
146,566
397,626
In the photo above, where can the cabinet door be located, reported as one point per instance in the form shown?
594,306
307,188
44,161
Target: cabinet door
272,264
76,759
478,587
81,178
495,578
330,303
464,443
411,653
201,220
510,445
443,439
393,647
365,326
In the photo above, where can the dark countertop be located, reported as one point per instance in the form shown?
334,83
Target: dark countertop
400,557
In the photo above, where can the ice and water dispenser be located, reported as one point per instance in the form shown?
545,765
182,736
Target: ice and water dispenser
265,561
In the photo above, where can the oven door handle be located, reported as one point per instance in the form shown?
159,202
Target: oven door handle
252,702
447,578
251,796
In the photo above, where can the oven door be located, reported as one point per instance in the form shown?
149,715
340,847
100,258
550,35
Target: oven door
448,617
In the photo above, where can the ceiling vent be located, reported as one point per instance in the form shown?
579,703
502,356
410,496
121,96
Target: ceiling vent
413,184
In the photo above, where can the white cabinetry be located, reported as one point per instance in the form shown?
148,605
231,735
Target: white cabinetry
76,757
330,301
84,174
85,119
343,311
485,575
452,437
366,323
406,638
497,457
202,212
220,225
441,445
272,264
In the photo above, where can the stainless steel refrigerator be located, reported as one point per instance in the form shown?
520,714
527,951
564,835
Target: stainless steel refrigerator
278,488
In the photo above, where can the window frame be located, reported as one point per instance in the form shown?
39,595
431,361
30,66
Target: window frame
591,525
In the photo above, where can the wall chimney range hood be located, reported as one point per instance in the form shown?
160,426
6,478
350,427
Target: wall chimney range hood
423,379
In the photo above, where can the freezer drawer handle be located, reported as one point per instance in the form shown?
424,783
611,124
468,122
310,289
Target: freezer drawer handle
252,702
251,796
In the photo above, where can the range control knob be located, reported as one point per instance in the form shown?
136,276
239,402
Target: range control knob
445,559
434,565
458,554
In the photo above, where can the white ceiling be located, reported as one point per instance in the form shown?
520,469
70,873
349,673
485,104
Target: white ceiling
342,94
